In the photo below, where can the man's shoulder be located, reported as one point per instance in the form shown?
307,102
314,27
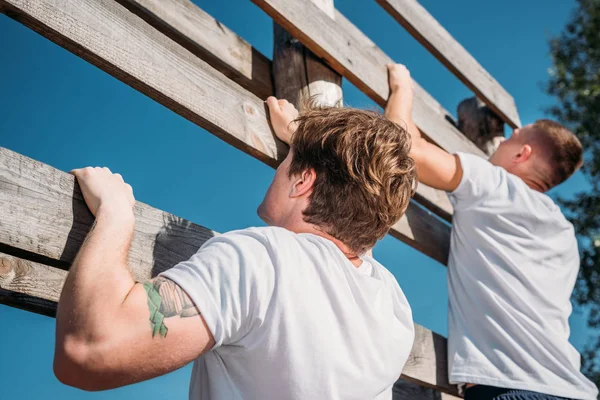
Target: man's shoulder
252,238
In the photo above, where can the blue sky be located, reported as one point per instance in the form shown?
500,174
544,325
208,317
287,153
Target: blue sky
58,109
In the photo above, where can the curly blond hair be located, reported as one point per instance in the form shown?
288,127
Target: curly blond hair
364,175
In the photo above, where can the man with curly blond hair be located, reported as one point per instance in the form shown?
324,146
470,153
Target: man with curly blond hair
290,311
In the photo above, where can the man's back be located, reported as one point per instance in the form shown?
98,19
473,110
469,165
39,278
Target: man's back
512,268
294,319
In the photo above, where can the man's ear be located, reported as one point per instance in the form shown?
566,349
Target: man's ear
304,183
523,154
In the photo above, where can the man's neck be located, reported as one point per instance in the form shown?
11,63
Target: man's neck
533,184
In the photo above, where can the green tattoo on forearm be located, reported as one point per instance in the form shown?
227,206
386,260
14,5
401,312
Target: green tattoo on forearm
166,299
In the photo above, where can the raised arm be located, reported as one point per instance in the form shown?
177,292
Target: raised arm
435,167
110,330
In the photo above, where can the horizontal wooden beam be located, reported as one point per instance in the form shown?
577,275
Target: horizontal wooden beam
209,39
29,285
213,42
354,56
44,217
160,68
427,364
156,66
431,34
42,212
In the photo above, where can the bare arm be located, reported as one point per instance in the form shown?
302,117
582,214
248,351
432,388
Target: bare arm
110,330
435,167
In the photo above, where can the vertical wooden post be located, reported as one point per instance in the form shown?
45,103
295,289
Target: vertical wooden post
480,124
298,74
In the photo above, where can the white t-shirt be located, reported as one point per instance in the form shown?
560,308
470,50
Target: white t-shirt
293,318
513,265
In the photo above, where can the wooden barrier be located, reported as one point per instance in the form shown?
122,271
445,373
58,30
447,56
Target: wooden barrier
45,220
186,60
419,23
174,77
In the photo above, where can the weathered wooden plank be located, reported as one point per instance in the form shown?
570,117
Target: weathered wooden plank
428,361
200,33
168,73
29,285
43,217
353,55
42,211
122,44
431,34
420,229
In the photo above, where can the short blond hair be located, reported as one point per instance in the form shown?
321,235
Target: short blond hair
365,177
560,148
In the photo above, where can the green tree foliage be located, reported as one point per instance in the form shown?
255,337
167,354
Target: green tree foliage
575,82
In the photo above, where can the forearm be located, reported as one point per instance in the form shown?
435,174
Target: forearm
435,167
98,281
399,110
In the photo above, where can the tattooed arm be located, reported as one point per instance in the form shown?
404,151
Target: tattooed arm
110,330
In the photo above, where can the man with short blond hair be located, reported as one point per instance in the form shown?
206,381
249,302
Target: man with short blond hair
513,259
289,311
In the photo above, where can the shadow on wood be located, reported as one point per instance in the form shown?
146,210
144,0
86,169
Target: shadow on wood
82,223
480,124
176,241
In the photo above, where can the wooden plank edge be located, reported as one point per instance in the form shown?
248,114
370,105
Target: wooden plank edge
29,285
260,81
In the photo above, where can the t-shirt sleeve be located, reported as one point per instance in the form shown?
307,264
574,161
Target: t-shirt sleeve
230,280
480,179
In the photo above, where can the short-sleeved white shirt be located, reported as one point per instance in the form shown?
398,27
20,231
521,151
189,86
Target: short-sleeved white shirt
293,318
513,265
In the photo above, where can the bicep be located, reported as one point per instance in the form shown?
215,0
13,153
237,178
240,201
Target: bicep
159,330
436,167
